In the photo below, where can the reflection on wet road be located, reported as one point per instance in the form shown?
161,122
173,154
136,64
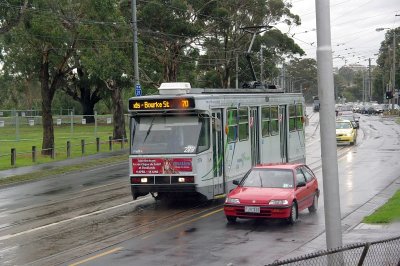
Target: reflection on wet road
89,218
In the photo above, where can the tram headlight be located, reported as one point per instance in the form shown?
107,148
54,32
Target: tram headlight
232,201
181,179
278,202
143,180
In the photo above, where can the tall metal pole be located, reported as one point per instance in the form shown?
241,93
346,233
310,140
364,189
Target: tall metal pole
394,67
369,80
135,43
261,65
237,70
327,126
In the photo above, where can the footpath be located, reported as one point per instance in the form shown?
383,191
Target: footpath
353,230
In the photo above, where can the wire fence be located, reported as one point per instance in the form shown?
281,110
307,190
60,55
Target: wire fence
21,136
383,252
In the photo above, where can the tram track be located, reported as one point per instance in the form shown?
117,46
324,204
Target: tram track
126,232
160,223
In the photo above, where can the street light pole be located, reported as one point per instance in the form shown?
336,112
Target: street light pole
394,67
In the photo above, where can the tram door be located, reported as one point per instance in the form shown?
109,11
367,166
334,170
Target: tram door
218,152
283,131
254,136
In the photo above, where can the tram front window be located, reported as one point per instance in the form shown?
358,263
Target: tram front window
170,134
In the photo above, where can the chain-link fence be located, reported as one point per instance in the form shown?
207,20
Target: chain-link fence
383,252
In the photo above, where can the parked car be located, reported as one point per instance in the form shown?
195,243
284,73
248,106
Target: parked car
346,131
273,191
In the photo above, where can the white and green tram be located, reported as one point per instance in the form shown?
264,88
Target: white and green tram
187,141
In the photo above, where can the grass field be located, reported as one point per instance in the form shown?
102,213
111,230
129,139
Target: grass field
388,213
24,137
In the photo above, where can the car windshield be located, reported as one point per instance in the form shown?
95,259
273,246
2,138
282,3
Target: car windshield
170,134
343,125
346,117
269,178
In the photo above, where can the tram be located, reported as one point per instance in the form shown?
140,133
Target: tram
196,141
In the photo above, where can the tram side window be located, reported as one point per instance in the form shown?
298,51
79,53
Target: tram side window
292,117
299,116
274,121
265,121
204,138
243,123
232,133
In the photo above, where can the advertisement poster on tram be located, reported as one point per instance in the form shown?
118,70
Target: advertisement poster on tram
161,165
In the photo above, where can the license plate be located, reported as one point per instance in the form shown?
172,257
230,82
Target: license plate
252,209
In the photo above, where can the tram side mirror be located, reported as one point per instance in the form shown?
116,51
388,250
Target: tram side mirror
216,123
235,182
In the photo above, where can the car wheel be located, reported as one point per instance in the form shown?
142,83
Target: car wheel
231,219
314,206
293,214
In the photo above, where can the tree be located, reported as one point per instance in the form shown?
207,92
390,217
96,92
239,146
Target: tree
303,73
11,12
168,35
50,42
384,73
227,34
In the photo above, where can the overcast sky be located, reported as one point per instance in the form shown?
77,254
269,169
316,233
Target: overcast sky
353,28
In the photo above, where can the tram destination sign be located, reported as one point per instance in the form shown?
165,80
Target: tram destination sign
160,103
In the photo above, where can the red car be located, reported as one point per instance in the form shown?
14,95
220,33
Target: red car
273,191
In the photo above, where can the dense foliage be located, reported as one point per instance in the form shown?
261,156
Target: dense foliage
63,54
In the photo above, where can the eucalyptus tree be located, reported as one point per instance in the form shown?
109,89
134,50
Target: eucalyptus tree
168,30
46,42
11,12
383,78
229,28
303,74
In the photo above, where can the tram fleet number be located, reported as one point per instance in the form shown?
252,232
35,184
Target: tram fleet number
155,104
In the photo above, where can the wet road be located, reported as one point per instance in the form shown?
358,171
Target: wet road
89,218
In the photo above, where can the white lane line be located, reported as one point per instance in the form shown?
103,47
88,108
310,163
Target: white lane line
6,237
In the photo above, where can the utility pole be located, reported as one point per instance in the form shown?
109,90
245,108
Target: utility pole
262,64
237,71
327,126
369,80
394,67
363,86
283,76
135,50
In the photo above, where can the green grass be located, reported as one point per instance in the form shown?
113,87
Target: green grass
387,213
23,138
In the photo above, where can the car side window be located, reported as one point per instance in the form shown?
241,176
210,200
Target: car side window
309,176
300,176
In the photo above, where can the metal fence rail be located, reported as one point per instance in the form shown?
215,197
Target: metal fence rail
383,252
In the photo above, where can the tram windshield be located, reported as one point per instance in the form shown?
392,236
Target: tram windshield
165,134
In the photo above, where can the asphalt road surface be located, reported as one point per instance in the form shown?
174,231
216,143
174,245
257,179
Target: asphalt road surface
89,218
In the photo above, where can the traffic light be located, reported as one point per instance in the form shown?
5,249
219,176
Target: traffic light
389,95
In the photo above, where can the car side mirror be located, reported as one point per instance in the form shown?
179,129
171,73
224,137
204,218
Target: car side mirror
235,182
301,184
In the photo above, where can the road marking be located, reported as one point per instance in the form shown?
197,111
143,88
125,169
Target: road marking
183,223
96,256
6,237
